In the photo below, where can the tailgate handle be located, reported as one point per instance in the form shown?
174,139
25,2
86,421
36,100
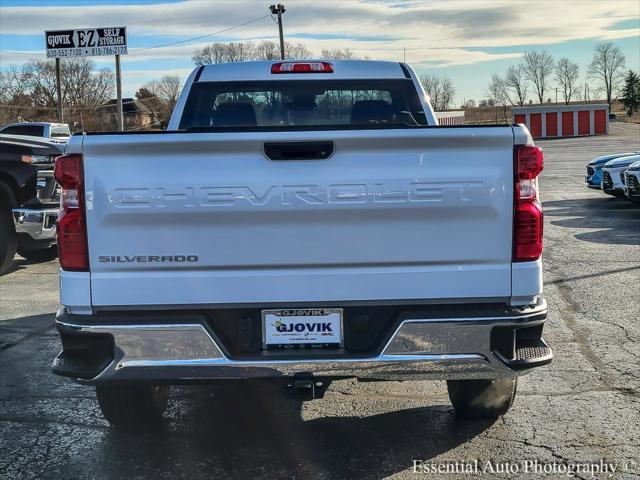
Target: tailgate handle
298,150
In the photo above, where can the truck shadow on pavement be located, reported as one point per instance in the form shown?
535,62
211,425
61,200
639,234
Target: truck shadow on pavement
617,219
249,430
14,332
20,263
228,430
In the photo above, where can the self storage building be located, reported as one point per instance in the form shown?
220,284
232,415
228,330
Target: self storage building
564,120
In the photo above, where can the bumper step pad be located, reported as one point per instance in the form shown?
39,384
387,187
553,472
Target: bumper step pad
532,353
529,355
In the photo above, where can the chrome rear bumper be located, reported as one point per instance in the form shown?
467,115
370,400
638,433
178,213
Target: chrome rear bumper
39,224
433,348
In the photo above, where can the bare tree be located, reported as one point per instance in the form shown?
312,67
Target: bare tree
296,51
497,93
15,95
152,101
447,92
161,95
169,90
538,67
515,85
567,73
440,89
224,52
42,82
431,84
14,85
607,66
338,54
578,92
82,84
241,51
267,50
210,54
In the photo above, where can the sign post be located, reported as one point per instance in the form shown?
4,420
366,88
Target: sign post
119,94
58,92
88,42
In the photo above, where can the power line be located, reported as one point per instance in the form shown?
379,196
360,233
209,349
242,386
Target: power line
138,49
23,52
201,36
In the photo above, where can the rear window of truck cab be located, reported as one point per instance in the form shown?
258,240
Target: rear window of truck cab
29,130
60,131
303,104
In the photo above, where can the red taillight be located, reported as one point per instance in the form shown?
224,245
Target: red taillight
302,67
527,217
71,225
527,232
530,161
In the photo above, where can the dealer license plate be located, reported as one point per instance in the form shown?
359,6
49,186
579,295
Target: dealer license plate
302,328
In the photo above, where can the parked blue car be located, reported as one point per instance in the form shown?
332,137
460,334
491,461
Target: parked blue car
593,179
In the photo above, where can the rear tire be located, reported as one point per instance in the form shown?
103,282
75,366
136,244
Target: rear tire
41,255
8,239
482,399
133,406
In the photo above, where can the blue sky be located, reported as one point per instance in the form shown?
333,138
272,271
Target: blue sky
467,40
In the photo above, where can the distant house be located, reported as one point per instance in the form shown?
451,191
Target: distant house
136,114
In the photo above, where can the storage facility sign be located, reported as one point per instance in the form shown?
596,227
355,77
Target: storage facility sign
88,42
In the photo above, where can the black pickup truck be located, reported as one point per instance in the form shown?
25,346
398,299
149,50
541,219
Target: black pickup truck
29,198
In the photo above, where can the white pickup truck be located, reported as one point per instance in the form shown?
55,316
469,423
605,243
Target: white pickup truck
56,132
301,220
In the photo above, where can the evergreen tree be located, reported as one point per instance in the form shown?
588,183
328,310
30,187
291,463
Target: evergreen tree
631,92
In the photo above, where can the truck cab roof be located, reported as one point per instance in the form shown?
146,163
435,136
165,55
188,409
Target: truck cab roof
55,131
261,70
35,124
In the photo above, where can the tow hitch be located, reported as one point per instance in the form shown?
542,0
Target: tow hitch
304,386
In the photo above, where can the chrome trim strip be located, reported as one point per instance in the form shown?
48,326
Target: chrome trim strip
435,367
280,305
306,362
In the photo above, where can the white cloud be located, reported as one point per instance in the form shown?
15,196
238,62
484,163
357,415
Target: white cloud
433,32
451,24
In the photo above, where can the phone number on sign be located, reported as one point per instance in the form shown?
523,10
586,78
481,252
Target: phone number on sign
88,51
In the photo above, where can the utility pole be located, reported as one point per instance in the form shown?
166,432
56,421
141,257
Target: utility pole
59,91
279,10
586,89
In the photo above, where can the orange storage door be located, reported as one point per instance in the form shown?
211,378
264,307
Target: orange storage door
583,123
552,124
600,122
520,119
536,125
567,124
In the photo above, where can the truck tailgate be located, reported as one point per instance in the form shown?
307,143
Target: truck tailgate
207,218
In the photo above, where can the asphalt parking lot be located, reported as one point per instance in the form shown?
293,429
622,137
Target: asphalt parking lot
585,406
